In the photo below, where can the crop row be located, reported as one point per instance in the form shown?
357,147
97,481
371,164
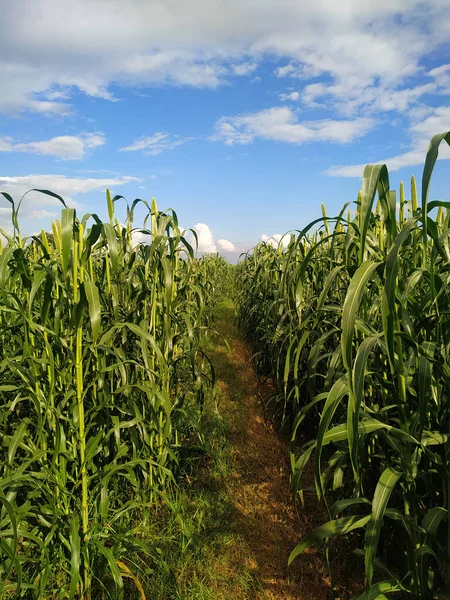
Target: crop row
351,317
102,388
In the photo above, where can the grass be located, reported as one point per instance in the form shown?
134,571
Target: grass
234,511
199,541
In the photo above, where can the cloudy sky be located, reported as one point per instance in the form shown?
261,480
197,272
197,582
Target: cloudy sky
242,115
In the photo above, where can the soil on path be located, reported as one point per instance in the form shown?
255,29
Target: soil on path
265,523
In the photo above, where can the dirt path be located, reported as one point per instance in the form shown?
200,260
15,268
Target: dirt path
265,524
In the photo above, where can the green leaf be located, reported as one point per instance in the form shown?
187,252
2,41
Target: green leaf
75,555
93,298
351,306
383,492
375,177
430,161
67,224
425,372
328,530
114,569
335,396
52,194
389,290
377,591
356,397
15,442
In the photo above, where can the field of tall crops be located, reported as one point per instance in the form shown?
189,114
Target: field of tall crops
102,388
351,317
104,382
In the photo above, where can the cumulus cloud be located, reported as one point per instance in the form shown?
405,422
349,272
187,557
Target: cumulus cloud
66,147
420,132
281,124
205,239
155,144
226,246
275,239
207,243
52,47
138,237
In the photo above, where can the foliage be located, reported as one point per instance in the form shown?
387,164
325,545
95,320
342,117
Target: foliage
103,383
352,319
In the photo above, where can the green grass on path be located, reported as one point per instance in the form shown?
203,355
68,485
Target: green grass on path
202,553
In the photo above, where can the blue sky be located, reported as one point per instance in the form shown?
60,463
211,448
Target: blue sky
243,115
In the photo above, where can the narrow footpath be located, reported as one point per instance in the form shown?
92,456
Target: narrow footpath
265,526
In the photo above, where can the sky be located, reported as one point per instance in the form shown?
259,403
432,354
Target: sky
241,115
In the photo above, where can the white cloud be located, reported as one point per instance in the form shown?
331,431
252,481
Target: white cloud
353,95
313,91
275,239
345,170
394,163
6,144
226,245
245,68
294,96
40,213
66,147
57,95
205,239
138,237
52,47
349,97
206,242
281,124
155,144
288,70
67,187
420,132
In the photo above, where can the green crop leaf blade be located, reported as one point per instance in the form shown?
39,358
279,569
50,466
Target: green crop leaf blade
93,298
378,590
110,204
375,177
351,306
335,396
328,530
389,290
11,548
357,395
15,442
114,569
425,374
430,161
75,555
52,194
383,492
67,225
113,249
